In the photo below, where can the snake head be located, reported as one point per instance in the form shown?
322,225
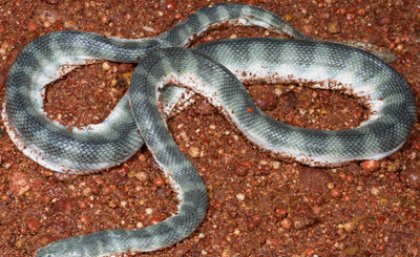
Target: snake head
70,247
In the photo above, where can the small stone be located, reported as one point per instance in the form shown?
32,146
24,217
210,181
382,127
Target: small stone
288,17
31,26
149,211
159,182
48,16
171,5
301,221
314,180
351,251
240,197
155,219
361,11
281,212
370,165
19,183
20,243
411,177
256,218
264,97
349,226
286,223
127,77
123,204
6,165
105,19
374,191
333,27
275,165
335,193
106,66
307,29
194,151
141,176
112,204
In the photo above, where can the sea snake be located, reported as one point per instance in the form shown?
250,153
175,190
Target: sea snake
214,70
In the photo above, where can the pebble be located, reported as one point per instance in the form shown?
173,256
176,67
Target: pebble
333,27
275,165
20,243
240,197
301,221
141,176
281,212
411,177
314,180
48,17
19,183
263,97
106,66
349,226
351,251
286,223
370,165
171,5
194,151
149,211
335,193
307,29
159,182
31,26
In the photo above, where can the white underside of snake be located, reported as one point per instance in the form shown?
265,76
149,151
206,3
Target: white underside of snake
214,70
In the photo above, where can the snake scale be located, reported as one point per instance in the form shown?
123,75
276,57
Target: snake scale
215,70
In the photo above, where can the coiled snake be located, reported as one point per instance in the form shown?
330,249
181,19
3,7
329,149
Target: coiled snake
210,69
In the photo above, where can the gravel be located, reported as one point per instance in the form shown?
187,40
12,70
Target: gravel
259,205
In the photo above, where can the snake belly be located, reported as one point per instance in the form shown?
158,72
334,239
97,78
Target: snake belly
207,69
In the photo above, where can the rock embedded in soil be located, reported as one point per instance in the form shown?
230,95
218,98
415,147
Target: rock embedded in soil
370,165
314,180
263,97
19,183
411,177
303,220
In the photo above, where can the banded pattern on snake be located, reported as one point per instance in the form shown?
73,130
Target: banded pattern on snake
212,70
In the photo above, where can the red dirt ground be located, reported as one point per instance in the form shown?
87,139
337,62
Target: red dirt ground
259,205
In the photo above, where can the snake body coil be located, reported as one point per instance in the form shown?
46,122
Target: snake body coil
213,70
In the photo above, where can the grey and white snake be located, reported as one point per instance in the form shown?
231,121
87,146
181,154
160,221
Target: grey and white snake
215,70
